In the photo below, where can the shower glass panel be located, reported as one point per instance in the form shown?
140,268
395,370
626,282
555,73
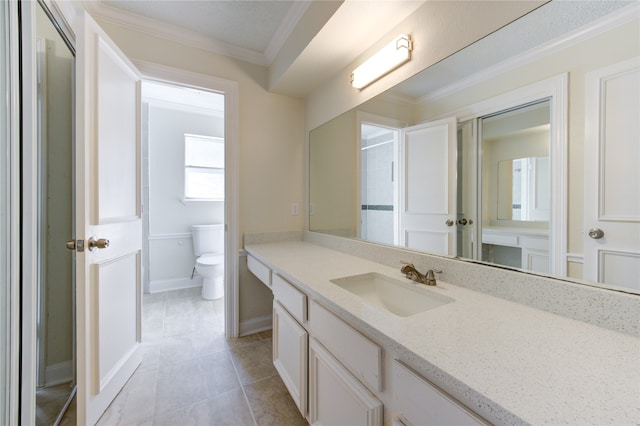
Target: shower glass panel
55,316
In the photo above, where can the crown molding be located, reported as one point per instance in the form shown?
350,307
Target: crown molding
173,33
615,19
285,29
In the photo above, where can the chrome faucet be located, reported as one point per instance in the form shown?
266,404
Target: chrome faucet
412,273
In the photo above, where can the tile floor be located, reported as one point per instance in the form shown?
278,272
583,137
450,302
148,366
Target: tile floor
192,375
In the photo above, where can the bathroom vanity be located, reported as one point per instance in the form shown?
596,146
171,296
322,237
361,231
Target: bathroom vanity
471,358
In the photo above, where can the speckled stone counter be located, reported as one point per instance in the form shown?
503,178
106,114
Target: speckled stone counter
510,363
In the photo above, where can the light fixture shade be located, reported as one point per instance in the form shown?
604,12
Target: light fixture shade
383,62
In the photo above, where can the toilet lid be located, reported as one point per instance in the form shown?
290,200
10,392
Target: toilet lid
211,259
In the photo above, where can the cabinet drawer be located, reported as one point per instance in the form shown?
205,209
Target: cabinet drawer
359,354
290,297
417,402
259,269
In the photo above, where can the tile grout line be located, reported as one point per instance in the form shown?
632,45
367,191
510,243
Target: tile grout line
244,393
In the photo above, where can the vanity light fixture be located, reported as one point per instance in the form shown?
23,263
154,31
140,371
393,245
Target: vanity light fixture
383,62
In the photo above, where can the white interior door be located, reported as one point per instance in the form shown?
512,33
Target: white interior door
612,175
108,194
428,187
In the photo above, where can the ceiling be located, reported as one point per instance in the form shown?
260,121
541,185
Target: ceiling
302,42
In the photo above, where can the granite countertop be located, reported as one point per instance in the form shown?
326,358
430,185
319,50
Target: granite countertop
510,363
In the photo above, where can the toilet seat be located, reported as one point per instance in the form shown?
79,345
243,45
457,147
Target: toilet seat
211,259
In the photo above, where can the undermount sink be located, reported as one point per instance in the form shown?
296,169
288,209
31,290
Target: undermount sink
394,296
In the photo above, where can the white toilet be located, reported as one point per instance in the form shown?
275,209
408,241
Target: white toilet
208,245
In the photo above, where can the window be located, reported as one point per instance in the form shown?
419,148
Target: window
203,168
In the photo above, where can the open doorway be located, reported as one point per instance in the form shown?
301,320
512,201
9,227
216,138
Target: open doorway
378,183
183,154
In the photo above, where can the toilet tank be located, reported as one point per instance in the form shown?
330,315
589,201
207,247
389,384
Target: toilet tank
208,238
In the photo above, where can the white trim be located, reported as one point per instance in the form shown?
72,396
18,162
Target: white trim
177,235
13,122
172,33
575,258
178,106
256,325
151,71
615,19
289,23
29,213
158,286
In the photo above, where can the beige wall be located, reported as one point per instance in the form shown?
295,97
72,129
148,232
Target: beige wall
271,142
334,147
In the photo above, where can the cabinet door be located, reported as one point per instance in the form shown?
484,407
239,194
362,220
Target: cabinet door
290,343
335,396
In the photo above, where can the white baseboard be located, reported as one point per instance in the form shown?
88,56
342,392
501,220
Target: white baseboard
59,373
157,286
256,325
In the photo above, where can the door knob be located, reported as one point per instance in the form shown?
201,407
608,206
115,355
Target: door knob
98,244
71,244
449,222
596,233
462,221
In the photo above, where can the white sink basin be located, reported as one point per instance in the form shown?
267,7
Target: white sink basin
394,296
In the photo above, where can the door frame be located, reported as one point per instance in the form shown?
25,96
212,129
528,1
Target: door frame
179,77
27,173
557,90
392,124
13,220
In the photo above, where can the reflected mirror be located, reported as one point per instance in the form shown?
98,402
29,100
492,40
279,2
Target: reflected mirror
519,191
523,189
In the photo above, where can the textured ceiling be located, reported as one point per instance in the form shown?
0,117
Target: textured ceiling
243,23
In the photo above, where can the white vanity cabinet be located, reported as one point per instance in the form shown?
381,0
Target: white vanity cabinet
315,374
532,246
290,339
290,345
335,396
259,269
417,402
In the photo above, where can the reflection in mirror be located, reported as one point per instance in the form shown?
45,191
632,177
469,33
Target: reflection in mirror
523,189
573,40
516,193
378,185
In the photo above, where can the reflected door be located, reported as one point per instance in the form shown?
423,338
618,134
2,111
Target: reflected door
428,165
612,176
108,194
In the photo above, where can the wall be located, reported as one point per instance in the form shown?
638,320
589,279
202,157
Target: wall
171,256
271,139
335,149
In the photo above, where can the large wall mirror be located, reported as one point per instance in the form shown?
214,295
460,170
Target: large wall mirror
520,150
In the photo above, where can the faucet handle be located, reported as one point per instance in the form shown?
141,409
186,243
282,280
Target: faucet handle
429,277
